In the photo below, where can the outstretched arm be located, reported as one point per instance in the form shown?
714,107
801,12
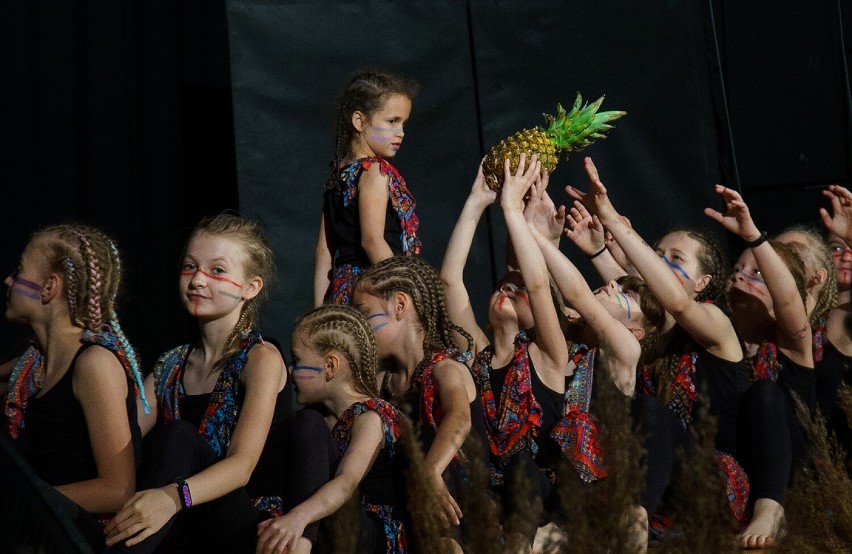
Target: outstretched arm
455,258
323,263
549,337
279,535
616,343
587,233
704,322
793,331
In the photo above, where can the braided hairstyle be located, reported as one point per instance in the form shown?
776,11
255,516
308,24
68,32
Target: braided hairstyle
421,282
341,328
90,263
711,261
815,254
258,261
366,92
653,313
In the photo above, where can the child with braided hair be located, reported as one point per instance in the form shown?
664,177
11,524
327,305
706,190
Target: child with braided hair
335,359
427,376
71,402
368,211
215,402
521,374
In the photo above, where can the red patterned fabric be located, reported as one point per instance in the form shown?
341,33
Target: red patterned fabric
736,485
766,364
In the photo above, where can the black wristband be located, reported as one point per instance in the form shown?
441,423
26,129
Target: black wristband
758,241
596,254
183,493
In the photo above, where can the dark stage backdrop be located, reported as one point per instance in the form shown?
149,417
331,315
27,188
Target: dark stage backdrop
486,69
120,114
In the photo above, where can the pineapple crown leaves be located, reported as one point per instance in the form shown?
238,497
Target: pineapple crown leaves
572,131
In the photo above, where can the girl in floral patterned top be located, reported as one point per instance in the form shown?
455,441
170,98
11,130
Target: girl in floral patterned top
368,211
334,364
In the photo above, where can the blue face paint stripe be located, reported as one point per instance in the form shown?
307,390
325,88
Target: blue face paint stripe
307,368
32,295
750,278
676,268
377,315
379,326
627,302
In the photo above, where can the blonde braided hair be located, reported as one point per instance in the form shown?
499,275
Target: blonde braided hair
816,254
344,329
420,281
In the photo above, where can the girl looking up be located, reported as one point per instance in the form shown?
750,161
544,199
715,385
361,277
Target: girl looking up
334,364
521,374
216,400
368,211
71,404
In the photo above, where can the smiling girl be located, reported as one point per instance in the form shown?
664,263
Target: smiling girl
215,402
368,211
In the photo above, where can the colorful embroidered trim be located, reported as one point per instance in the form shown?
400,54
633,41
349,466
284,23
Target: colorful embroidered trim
343,283
401,199
389,415
26,377
220,418
766,364
513,424
820,339
684,393
736,485
272,505
431,412
577,432
395,537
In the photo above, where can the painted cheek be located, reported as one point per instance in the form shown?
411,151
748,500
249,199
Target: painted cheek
306,372
523,296
229,295
678,271
26,288
377,320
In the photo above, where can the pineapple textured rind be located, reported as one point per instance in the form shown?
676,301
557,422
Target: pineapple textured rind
566,133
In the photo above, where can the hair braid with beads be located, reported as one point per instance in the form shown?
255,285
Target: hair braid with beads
91,264
341,328
366,92
420,281
258,261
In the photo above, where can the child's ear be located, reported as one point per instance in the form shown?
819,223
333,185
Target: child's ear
359,121
702,282
51,288
332,365
401,303
638,332
253,288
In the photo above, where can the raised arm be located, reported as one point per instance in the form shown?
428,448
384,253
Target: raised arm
323,262
100,385
793,331
279,535
616,344
587,233
455,258
706,323
372,209
147,511
548,333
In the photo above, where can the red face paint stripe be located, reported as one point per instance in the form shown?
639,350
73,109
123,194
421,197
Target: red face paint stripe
210,275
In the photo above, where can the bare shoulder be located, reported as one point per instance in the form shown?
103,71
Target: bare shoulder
97,361
266,354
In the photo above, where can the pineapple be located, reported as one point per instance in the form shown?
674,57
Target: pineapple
566,133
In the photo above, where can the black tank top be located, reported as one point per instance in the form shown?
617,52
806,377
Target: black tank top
831,372
345,223
552,404
725,383
57,442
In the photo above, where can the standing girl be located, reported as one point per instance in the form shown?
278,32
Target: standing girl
71,404
215,402
334,364
368,211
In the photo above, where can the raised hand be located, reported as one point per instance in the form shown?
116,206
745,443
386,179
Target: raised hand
541,213
596,200
839,221
584,229
480,193
515,186
736,218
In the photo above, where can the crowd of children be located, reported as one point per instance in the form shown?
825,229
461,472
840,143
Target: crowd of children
422,425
